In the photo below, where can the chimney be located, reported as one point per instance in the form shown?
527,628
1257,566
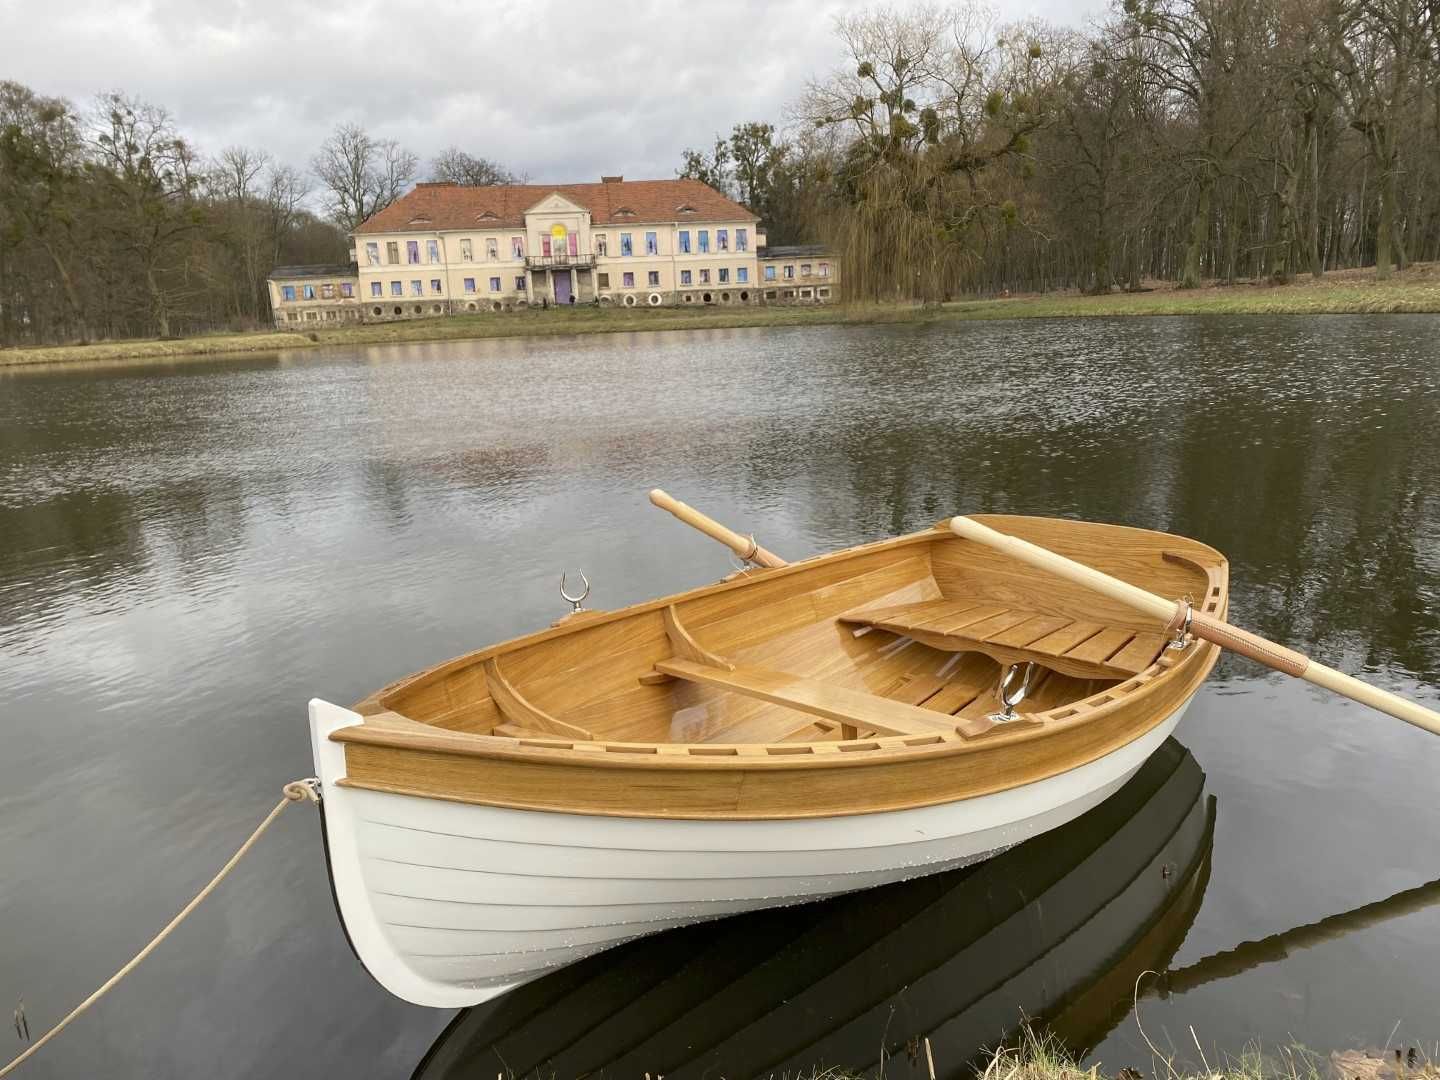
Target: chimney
611,179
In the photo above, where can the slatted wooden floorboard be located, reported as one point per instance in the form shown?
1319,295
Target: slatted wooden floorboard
1073,646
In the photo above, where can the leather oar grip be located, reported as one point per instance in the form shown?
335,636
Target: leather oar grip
1246,643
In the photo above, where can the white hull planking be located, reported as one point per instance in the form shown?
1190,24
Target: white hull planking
450,904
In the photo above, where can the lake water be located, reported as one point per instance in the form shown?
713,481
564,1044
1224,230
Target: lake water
190,552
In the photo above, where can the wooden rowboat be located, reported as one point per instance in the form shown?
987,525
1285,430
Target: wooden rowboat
1053,932
790,734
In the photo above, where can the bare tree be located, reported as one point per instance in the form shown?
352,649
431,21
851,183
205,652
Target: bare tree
152,184
713,168
362,174
455,166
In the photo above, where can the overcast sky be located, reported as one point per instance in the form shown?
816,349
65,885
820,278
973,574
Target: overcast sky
560,91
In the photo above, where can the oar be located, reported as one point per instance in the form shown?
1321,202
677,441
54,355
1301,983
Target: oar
743,546
1174,613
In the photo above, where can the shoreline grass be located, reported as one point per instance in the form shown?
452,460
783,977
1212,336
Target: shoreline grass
1415,290
1037,1056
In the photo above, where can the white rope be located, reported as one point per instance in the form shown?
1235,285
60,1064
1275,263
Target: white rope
295,791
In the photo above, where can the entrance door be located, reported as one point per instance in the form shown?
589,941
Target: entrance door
562,286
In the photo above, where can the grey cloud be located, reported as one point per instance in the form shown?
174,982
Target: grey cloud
561,91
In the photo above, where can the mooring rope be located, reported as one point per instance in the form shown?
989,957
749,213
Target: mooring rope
295,791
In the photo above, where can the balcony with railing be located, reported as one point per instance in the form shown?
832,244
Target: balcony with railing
559,262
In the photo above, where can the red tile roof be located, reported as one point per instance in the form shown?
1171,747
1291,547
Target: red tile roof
432,207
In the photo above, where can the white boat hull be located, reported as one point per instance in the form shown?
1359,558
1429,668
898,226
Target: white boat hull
449,904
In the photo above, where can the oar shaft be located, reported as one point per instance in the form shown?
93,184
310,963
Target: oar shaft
1204,626
743,546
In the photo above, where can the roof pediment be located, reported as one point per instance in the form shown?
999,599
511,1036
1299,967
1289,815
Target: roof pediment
555,203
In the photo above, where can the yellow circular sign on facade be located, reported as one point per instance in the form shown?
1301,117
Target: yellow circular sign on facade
557,231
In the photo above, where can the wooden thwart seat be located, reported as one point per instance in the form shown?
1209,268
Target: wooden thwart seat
1086,650
854,710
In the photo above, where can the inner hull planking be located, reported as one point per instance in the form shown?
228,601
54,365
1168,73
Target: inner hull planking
789,735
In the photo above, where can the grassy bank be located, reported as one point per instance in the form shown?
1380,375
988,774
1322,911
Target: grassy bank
172,349
1349,292
1344,292
1041,1058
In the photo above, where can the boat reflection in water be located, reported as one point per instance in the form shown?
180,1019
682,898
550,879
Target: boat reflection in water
1056,929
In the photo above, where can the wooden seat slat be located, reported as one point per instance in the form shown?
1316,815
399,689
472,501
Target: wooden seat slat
1140,653
1102,646
1066,638
965,619
943,611
986,629
918,611
1030,631
1086,650
840,704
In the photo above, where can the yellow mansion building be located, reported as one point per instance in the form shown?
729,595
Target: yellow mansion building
447,249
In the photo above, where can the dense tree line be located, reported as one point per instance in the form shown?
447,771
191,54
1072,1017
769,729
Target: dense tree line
112,224
1182,140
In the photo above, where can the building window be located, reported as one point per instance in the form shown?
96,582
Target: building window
492,249
684,241
602,281
652,244
545,245
494,284
517,247
769,273
704,274
412,251
469,284
653,278
397,288
824,269
625,245
327,291
722,239
377,288
347,290
432,250
684,277
806,294
519,282
467,251
392,252
742,240
287,292
805,269
789,273
309,292
628,279
600,243
372,253
742,273
704,241
434,284
823,294
724,275
417,287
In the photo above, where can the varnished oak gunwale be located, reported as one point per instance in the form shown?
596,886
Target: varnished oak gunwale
768,780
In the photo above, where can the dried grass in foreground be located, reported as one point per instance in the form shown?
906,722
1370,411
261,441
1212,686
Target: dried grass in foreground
1036,1056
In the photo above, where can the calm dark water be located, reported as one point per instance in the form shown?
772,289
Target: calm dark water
188,553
